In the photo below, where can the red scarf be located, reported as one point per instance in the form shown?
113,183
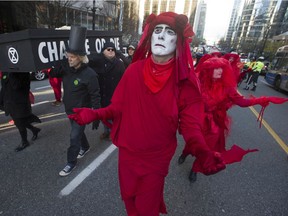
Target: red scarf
156,75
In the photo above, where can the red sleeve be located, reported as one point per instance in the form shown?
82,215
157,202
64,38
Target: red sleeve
191,115
238,99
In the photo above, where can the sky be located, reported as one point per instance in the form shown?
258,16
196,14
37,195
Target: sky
217,19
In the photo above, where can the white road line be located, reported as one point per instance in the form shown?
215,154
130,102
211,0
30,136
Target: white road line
43,87
32,105
86,172
39,103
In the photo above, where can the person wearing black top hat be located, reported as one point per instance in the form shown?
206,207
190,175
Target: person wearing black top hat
81,89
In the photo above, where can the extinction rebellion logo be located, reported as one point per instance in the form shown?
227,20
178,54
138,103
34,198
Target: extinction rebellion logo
13,55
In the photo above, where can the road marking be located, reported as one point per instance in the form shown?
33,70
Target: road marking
32,105
43,87
39,103
86,172
271,131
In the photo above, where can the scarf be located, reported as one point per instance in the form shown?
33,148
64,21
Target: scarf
156,75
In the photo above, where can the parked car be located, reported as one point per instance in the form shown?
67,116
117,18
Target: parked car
244,60
39,74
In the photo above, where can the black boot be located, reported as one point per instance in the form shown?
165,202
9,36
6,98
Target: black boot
23,145
34,118
192,176
35,132
254,88
181,159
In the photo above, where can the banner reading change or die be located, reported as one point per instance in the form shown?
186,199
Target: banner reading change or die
36,49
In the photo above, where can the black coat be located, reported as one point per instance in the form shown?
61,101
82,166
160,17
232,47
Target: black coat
109,74
15,94
81,88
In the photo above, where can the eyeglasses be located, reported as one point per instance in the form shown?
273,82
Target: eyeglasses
110,49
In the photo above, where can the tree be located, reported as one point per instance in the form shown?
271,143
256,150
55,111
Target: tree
130,23
57,13
271,48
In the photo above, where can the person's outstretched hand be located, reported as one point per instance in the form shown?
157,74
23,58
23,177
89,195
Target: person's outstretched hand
83,115
264,101
277,100
211,162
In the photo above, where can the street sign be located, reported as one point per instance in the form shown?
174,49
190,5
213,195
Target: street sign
36,49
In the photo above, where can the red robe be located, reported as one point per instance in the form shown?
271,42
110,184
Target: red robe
144,128
217,124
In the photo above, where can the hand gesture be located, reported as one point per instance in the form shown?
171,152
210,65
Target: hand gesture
211,162
83,115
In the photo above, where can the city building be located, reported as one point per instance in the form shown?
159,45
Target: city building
199,22
96,14
258,22
234,21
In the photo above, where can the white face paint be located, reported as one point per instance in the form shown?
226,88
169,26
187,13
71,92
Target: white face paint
217,73
163,41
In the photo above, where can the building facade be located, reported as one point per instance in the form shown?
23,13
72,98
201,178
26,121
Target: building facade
258,22
20,15
200,16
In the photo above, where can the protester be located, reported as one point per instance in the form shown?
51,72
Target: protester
157,94
246,71
234,60
81,89
110,70
219,92
15,102
131,50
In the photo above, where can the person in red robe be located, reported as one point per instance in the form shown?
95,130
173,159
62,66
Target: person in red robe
219,91
157,95
236,64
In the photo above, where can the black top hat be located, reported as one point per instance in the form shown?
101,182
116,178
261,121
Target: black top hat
77,40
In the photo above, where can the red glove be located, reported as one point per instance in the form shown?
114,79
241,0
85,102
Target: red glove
277,100
83,115
211,162
264,101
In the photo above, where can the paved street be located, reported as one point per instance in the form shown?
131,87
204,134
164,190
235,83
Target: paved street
30,184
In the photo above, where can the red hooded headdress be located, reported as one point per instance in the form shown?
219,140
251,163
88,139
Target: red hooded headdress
236,65
179,23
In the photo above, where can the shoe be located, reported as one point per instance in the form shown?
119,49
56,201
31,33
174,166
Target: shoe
181,159
67,169
253,89
246,88
192,176
22,146
82,152
35,134
104,136
56,103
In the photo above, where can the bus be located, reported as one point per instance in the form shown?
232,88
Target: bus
277,75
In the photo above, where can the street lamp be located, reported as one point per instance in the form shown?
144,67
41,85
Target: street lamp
93,19
87,16
94,13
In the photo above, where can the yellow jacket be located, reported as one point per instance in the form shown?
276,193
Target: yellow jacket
258,66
